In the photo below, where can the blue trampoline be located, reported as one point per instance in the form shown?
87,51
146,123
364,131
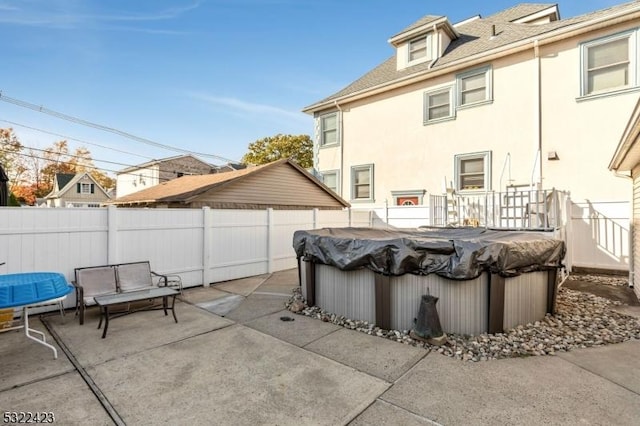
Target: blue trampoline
32,289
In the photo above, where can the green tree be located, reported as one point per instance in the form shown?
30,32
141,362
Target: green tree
299,148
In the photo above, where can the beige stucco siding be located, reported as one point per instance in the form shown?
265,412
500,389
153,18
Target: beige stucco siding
387,130
278,186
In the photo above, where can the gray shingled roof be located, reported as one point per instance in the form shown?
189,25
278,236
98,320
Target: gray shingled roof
519,11
422,21
475,38
63,180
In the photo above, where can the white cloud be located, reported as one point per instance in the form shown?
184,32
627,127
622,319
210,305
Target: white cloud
59,15
248,107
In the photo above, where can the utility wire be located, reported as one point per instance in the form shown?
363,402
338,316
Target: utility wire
104,128
92,167
13,123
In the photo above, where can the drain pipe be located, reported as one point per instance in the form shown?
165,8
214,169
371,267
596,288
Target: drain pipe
340,127
631,241
536,52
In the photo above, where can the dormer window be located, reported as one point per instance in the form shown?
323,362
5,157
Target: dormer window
418,48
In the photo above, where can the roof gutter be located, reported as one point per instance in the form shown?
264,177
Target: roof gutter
522,45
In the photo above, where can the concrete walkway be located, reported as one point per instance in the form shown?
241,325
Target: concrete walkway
232,360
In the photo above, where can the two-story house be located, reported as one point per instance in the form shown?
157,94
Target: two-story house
79,190
516,100
519,98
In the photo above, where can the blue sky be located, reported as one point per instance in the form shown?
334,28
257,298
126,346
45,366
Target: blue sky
207,76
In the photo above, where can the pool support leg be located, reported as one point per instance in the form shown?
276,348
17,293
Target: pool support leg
495,322
383,301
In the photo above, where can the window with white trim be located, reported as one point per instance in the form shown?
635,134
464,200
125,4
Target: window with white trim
329,129
330,179
418,48
473,171
85,188
474,87
362,182
438,105
609,64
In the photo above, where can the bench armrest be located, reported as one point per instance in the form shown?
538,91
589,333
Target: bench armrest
163,281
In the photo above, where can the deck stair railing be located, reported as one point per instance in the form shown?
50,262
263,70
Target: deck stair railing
515,208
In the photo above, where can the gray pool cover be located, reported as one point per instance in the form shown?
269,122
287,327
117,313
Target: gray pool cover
455,253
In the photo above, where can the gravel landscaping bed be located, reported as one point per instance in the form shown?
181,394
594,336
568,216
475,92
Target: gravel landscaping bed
582,320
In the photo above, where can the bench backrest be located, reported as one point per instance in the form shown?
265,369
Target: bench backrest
97,280
134,276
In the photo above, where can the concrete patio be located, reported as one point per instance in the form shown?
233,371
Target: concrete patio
232,360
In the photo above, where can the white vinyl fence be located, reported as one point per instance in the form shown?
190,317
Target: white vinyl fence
202,246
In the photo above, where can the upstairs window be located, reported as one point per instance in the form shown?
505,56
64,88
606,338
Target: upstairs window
608,64
418,48
438,105
474,87
329,129
85,188
473,171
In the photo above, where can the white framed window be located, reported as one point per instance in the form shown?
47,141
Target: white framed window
609,64
362,182
419,48
85,188
331,178
438,105
473,171
475,87
329,129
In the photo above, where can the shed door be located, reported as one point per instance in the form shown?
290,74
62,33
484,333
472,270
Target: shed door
636,230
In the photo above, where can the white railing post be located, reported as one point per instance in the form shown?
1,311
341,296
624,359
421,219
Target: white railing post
112,235
270,241
315,218
207,236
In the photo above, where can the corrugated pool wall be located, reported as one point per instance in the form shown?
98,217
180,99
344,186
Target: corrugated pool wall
462,306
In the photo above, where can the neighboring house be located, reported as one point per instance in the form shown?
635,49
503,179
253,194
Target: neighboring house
79,190
146,175
281,184
627,160
519,99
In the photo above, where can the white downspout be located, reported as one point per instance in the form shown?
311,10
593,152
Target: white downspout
340,128
538,115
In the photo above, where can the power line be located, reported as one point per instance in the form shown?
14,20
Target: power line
13,123
104,128
92,167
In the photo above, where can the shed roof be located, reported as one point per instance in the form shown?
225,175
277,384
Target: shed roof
185,188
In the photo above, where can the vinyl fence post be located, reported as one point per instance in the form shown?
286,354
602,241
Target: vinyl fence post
207,237
112,235
270,238
315,218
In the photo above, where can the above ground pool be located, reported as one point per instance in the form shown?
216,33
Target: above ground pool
31,287
486,280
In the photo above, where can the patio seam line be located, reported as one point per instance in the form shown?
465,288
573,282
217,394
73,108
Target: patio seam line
321,337
102,399
602,377
427,353
31,382
433,422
